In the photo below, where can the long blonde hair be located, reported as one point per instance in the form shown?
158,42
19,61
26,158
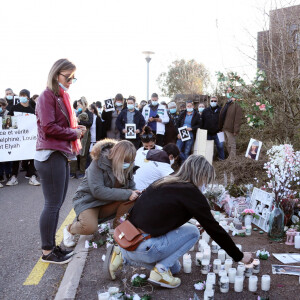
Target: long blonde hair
196,169
123,151
59,66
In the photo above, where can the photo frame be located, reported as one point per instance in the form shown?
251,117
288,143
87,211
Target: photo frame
16,100
130,131
253,149
109,105
184,133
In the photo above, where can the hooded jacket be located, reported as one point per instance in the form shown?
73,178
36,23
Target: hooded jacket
98,185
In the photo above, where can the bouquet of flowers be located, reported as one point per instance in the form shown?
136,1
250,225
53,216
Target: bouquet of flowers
250,212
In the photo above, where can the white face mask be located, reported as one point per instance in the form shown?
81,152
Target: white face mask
172,161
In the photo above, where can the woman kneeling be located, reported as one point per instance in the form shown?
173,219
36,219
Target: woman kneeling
162,212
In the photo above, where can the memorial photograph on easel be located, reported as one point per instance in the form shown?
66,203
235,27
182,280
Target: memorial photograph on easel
253,149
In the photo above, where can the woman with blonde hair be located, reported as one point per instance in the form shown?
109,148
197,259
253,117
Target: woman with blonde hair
57,141
107,185
161,212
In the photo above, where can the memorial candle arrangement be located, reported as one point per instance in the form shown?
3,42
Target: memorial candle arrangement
256,266
214,247
221,255
187,263
238,283
248,270
228,264
252,283
224,284
232,274
216,266
266,282
205,266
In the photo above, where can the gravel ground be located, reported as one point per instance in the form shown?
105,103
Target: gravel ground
282,286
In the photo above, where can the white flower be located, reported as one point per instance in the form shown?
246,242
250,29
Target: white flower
136,297
87,244
199,286
103,257
134,276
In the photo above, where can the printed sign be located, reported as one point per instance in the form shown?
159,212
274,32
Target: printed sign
18,136
184,133
130,131
109,105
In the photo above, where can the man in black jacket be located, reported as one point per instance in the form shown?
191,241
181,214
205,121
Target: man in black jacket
191,119
130,115
210,122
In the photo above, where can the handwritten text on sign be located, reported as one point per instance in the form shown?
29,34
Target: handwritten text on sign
18,139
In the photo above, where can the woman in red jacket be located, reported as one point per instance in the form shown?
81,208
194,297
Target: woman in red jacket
58,140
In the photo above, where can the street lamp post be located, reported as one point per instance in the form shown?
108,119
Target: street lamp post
148,59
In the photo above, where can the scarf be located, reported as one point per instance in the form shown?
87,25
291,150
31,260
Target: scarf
76,145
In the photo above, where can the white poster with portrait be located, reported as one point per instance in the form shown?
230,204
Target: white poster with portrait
16,100
184,133
109,105
130,131
18,135
253,149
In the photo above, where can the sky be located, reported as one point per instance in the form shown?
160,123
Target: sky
105,40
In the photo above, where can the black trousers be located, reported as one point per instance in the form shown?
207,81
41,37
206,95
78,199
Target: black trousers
28,165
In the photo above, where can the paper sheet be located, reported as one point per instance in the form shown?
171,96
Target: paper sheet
288,270
288,258
221,137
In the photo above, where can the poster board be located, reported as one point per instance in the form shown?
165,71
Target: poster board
253,149
261,203
109,105
16,100
184,133
130,131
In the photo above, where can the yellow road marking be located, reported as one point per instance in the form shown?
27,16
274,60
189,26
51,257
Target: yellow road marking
40,268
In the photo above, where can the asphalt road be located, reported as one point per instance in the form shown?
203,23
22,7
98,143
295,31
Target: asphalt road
20,245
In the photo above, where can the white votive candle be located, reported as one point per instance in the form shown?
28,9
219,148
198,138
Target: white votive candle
248,230
201,245
211,280
216,265
248,270
252,283
103,296
265,282
239,246
214,247
187,266
238,284
256,266
221,255
209,294
113,290
240,270
186,256
206,253
199,257
221,274
205,266
232,274
228,264
224,286
205,237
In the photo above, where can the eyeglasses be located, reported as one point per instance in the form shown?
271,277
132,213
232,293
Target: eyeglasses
68,78
213,101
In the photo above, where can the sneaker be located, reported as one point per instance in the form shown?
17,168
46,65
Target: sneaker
1,185
69,238
165,279
33,180
72,175
56,257
2,178
12,181
27,177
65,252
113,261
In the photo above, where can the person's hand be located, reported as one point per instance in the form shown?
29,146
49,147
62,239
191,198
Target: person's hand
78,132
247,259
189,129
104,107
178,136
150,119
82,128
124,130
137,131
133,196
158,120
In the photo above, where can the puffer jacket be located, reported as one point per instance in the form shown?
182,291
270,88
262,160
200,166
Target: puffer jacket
97,187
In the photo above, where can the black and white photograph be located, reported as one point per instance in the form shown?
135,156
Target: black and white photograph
130,131
109,105
184,133
16,100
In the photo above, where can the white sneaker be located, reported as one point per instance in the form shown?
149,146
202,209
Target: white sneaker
69,238
33,180
12,181
1,185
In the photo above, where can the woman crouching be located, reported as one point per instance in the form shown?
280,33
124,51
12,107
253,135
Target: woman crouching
162,212
107,186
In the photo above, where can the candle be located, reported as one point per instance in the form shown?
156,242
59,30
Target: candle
211,279
205,266
297,241
214,247
199,257
256,266
266,282
113,290
187,266
103,296
252,283
248,270
248,229
221,255
186,256
227,256
216,266
224,287
221,274
228,264
239,246
238,284
231,274
209,294
206,253
240,270
201,245
255,229
205,237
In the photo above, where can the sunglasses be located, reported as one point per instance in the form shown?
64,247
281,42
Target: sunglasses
147,136
213,101
68,78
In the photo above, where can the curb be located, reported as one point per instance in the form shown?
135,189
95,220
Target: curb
69,284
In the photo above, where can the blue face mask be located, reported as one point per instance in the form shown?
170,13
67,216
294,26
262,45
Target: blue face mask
189,109
173,110
213,104
1,110
154,103
130,106
201,109
62,86
119,104
79,109
23,99
126,165
9,97
228,95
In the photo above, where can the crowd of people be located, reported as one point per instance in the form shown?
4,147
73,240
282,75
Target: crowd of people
149,172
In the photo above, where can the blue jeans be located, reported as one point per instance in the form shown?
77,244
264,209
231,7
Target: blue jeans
220,146
165,249
5,167
187,145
